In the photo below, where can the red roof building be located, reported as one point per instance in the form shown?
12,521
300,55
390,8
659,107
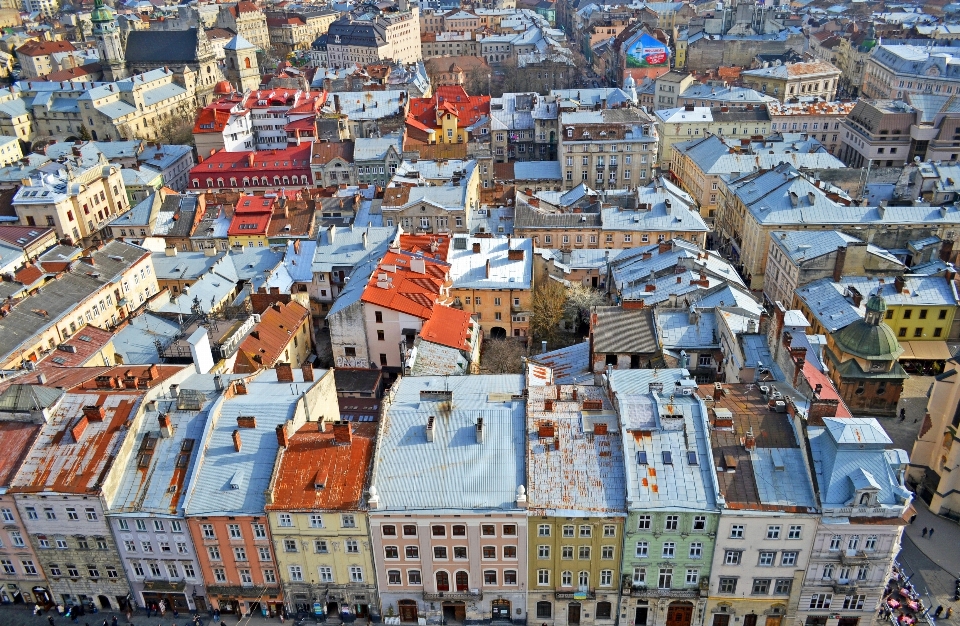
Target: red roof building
281,336
264,170
447,116
409,284
449,327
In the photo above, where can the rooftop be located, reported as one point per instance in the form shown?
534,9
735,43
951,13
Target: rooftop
491,263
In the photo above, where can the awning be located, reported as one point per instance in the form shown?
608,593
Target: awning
925,351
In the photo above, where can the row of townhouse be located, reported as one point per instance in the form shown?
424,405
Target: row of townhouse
646,499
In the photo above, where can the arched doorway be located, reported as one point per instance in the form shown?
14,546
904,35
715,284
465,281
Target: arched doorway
498,332
679,614
573,613
408,610
104,602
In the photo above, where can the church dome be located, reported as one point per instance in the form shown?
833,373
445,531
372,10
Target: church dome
101,13
629,82
223,88
870,338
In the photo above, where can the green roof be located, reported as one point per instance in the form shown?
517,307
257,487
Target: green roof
24,398
867,341
101,13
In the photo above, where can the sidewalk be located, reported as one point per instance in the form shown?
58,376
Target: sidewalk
22,615
942,548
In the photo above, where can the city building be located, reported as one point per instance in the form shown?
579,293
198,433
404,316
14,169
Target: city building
817,79
247,20
576,489
388,32
463,544
891,71
261,170
690,122
281,336
768,508
608,148
672,497
933,454
813,118
449,116
879,131
493,281
37,58
225,509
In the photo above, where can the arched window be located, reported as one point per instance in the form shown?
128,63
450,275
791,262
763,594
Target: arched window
303,180
233,182
246,181
196,183
209,182
463,581
219,182
286,180
246,63
276,180
864,498
443,581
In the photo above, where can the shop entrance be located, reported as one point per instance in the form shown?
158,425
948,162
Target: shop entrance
848,621
680,614
104,602
774,620
640,619
454,612
721,619
750,619
573,613
408,610
501,609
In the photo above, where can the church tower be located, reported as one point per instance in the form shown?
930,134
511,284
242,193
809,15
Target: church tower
109,44
241,69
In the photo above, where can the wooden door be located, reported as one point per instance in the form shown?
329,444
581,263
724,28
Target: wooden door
679,615
408,610
460,611
774,620
573,613
463,581
721,619
750,619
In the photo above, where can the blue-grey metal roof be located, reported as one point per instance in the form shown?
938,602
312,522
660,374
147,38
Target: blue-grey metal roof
669,208
576,472
346,247
135,341
537,170
470,270
184,265
679,330
299,265
570,365
233,483
851,453
655,424
452,472
375,148
803,245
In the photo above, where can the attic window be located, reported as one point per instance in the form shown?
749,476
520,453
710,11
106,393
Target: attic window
691,457
667,458
641,457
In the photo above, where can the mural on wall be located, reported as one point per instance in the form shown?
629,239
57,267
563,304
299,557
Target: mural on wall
648,52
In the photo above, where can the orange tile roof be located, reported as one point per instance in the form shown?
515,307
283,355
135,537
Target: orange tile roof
266,342
86,342
452,98
73,72
436,246
17,438
149,375
406,291
28,275
44,48
312,458
448,327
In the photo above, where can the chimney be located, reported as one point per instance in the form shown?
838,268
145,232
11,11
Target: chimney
488,268
664,246
546,430
821,408
479,430
476,248
153,372
515,255
600,429
41,379
246,421
307,370
749,441
166,426
282,439
240,388
898,284
236,440
430,422
548,405
838,263
94,413
284,373
79,427
342,433
858,297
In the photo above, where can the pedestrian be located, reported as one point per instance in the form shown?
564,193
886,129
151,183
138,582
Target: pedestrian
129,615
924,533
949,612
903,414
930,536
113,622
938,611
148,610
50,619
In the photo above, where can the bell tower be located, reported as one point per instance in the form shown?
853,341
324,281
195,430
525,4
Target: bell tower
241,67
107,34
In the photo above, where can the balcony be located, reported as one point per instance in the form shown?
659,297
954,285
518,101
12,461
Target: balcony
587,594
472,594
652,592
853,557
844,588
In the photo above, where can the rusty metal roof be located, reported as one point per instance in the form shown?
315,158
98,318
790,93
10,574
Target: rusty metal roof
574,453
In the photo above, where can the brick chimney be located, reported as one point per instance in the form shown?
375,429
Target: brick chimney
240,388
282,437
838,263
749,440
94,413
476,248
246,421
236,440
166,426
307,370
899,284
284,373
342,433
79,427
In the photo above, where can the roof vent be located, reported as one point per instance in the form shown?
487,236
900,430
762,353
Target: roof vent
430,431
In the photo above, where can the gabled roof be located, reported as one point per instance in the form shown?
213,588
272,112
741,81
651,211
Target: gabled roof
19,398
266,342
162,46
449,98
403,289
448,327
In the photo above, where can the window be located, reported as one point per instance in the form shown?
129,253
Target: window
773,532
326,574
219,574
609,530
642,548
240,554
693,576
356,574
732,557
411,552
207,530
393,577
73,572
566,552
606,553
583,553
348,521
154,570
438,531
543,530
669,550
766,558
606,577
543,577
259,531
586,530
835,542
460,552
32,513
72,513
821,600
175,526
391,552
289,545
489,552
568,530
782,586
761,586
543,552
146,546
353,546
158,525
62,544
488,530
245,577
854,542
736,531
870,544
700,522
409,530
696,550
827,571
794,532
510,530
130,546
727,585
854,602
490,577
49,513
316,521
862,572
788,559
234,531
544,610
643,522
263,552
320,546
413,577
665,580
439,552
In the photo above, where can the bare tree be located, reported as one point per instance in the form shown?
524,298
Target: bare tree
176,129
502,356
580,300
549,308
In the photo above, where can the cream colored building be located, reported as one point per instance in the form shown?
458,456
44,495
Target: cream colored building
817,79
692,122
935,453
815,118
78,199
247,20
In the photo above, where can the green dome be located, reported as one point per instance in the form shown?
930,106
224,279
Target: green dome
101,13
870,338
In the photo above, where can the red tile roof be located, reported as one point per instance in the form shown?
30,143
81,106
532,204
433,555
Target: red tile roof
86,342
71,73
404,290
448,327
13,234
264,346
28,275
292,161
436,246
450,98
44,48
312,457
17,439
827,392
